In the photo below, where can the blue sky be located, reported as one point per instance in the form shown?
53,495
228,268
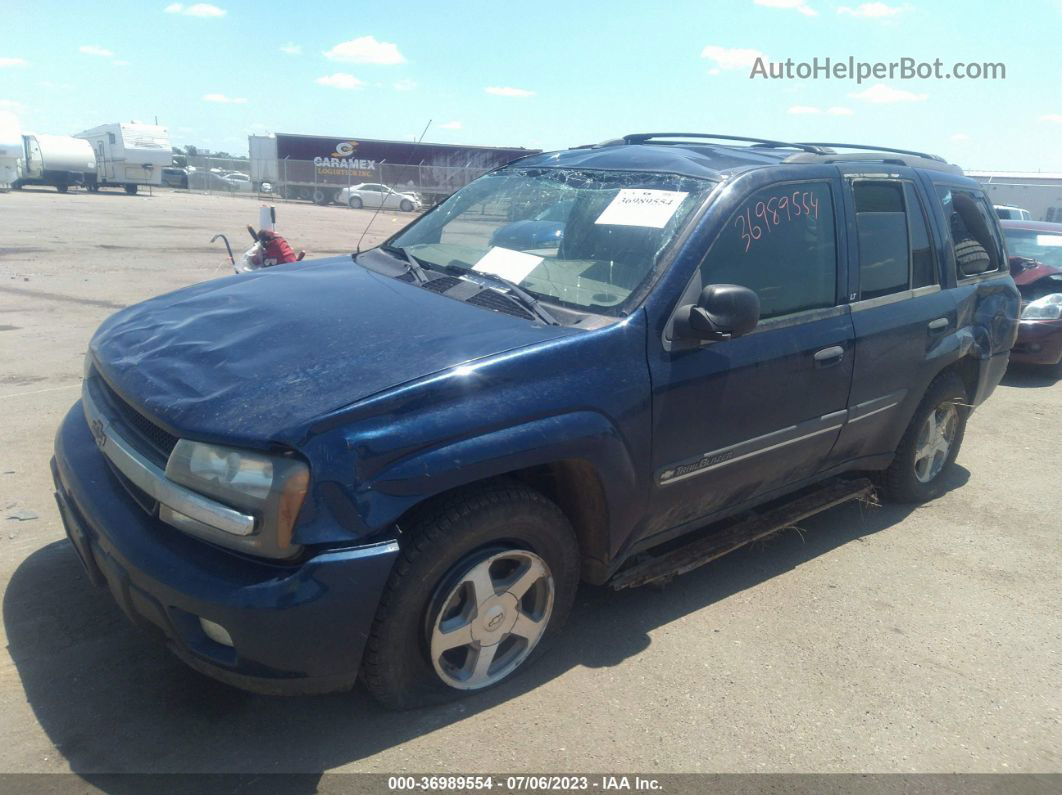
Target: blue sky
543,74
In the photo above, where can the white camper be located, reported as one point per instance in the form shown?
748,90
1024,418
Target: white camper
57,160
10,150
129,154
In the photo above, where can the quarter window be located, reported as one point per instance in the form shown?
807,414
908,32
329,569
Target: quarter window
780,243
974,234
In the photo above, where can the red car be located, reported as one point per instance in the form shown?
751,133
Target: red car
1035,250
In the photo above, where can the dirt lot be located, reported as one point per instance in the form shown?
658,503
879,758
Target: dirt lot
883,640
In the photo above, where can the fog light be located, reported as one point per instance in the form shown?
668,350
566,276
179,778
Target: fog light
216,632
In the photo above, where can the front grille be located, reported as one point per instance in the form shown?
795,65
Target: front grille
492,299
150,438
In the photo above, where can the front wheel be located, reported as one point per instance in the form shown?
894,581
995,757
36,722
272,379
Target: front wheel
484,581
354,203
930,443
406,206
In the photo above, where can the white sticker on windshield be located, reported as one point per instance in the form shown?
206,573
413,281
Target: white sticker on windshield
637,207
509,264
1049,241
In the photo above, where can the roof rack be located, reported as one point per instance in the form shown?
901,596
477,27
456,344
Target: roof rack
641,138
865,148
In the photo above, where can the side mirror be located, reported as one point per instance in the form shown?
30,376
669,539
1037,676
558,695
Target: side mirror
722,311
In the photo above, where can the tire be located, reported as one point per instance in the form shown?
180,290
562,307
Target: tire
354,203
62,188
131,189
917,473
321,197
503,530
971,258
406,206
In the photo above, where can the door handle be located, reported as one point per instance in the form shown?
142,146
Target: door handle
829,356
939,324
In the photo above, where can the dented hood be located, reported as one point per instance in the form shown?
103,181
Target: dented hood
254,358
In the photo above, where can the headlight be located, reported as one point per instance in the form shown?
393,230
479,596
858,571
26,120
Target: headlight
1047,308
272,488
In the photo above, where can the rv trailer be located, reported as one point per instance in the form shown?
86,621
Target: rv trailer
128,154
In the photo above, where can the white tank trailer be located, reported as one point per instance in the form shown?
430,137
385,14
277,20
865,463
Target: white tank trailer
128,154
57,160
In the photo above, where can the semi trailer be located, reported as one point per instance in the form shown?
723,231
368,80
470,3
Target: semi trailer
316,168
128,155
57,160
10,149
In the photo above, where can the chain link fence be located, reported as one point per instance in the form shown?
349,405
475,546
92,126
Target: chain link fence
304,180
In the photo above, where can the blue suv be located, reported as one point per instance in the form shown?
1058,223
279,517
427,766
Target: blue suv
588,365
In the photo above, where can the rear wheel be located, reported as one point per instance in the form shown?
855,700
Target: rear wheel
355,203
131,189
930,443
484,581
321,197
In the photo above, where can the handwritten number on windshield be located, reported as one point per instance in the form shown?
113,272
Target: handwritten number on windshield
767,215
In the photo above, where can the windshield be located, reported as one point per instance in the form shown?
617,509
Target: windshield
1045,247
579,238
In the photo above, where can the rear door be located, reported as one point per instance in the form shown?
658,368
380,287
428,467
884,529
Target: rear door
734,420
903,319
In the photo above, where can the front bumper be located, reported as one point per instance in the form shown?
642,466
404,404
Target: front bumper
296,628
1039,342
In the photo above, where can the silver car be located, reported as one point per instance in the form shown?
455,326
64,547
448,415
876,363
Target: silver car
373,195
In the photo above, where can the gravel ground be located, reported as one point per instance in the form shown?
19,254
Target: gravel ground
877,639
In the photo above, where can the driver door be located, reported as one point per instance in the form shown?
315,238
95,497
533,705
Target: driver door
737,419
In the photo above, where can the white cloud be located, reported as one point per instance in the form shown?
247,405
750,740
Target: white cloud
796,5
9,62
959,136
291,49
450,125
837,110
120,63
715,70
340,80
365,49
11,105
803,110
92,49
508,91
1054,118
195,10
881,94
870,11
731,57
224,99
405,85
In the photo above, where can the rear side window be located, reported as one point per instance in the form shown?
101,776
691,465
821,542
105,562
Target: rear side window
781,243
883,246
923,263
974,234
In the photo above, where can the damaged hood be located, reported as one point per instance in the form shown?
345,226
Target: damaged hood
251,359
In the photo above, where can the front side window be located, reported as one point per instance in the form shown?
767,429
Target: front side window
579,238
974,236
780,243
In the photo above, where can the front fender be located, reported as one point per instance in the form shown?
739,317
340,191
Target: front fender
583,435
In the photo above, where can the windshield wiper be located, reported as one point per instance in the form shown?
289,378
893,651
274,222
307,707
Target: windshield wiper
413,265
519,295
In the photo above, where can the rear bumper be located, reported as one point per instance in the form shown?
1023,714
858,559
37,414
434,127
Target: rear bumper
1039,342
296,628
